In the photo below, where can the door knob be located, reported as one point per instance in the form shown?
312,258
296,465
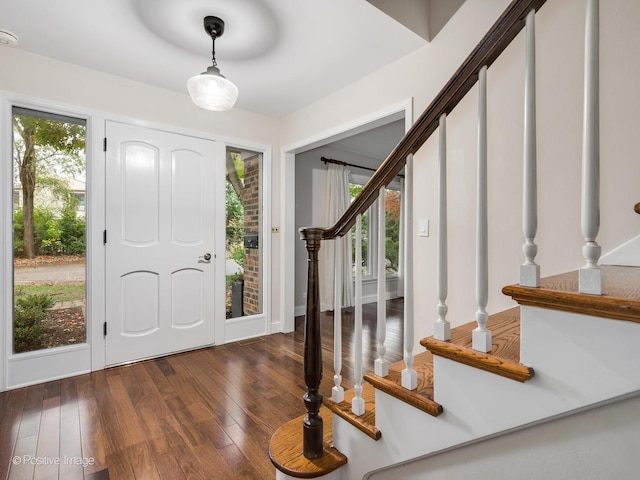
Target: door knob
206,256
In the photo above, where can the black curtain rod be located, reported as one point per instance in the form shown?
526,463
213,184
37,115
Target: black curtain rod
340,162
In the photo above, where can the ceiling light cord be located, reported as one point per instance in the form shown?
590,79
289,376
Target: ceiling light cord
213,48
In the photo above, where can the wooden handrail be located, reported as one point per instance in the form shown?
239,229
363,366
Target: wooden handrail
503,31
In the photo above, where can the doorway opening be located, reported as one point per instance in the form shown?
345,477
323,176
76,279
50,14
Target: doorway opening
367,150
293,278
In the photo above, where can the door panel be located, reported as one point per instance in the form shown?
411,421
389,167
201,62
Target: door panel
139,318
186,298
139,195
160,225
187,207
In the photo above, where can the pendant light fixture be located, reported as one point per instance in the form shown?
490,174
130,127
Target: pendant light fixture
211,90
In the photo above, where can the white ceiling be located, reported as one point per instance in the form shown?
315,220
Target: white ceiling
375,143
282,54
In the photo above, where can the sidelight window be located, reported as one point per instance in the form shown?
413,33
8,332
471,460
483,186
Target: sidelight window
49,230
244,208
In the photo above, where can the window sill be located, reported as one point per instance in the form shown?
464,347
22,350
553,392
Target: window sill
370,280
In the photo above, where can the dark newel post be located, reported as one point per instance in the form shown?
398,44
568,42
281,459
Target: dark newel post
312,425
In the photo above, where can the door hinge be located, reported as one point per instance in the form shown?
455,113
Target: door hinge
105,329
104,237
104,144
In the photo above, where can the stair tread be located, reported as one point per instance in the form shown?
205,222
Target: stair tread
504,357
420,398
620,299
285,450
366,423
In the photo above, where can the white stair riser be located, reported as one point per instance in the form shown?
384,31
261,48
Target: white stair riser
580,358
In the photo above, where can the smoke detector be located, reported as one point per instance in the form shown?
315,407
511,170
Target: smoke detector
8,39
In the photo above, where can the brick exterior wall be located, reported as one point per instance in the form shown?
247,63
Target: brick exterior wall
252,301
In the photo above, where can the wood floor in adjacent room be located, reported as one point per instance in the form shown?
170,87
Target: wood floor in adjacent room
205,414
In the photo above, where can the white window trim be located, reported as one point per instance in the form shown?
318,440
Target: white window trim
28,368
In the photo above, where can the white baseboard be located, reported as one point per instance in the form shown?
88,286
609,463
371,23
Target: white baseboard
244,327
300,310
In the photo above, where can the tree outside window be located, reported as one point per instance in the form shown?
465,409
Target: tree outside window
392,228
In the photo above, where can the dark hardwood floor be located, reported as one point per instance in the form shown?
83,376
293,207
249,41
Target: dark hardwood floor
205,414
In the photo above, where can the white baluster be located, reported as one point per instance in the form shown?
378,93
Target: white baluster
590,277
381,365
357,404
409,377
337,392
442,328
529,270
481,337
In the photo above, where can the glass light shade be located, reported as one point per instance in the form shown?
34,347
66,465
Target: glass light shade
212,91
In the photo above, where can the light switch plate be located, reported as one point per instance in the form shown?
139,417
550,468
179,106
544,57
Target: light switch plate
423,227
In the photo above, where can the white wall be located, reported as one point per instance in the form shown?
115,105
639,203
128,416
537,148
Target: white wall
560,35
420,75
570,447
45,78
309,211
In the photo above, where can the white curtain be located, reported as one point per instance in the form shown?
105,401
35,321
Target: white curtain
337,201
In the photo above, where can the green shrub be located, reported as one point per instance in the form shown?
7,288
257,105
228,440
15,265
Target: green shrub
235,216
28,313
53,234
41,301
234,278
72,229
46,233
236,252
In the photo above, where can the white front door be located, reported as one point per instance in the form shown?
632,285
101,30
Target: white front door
160,219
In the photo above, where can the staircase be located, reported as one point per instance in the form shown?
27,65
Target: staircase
555,326
569,346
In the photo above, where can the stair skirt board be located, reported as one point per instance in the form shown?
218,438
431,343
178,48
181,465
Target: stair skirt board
396,470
